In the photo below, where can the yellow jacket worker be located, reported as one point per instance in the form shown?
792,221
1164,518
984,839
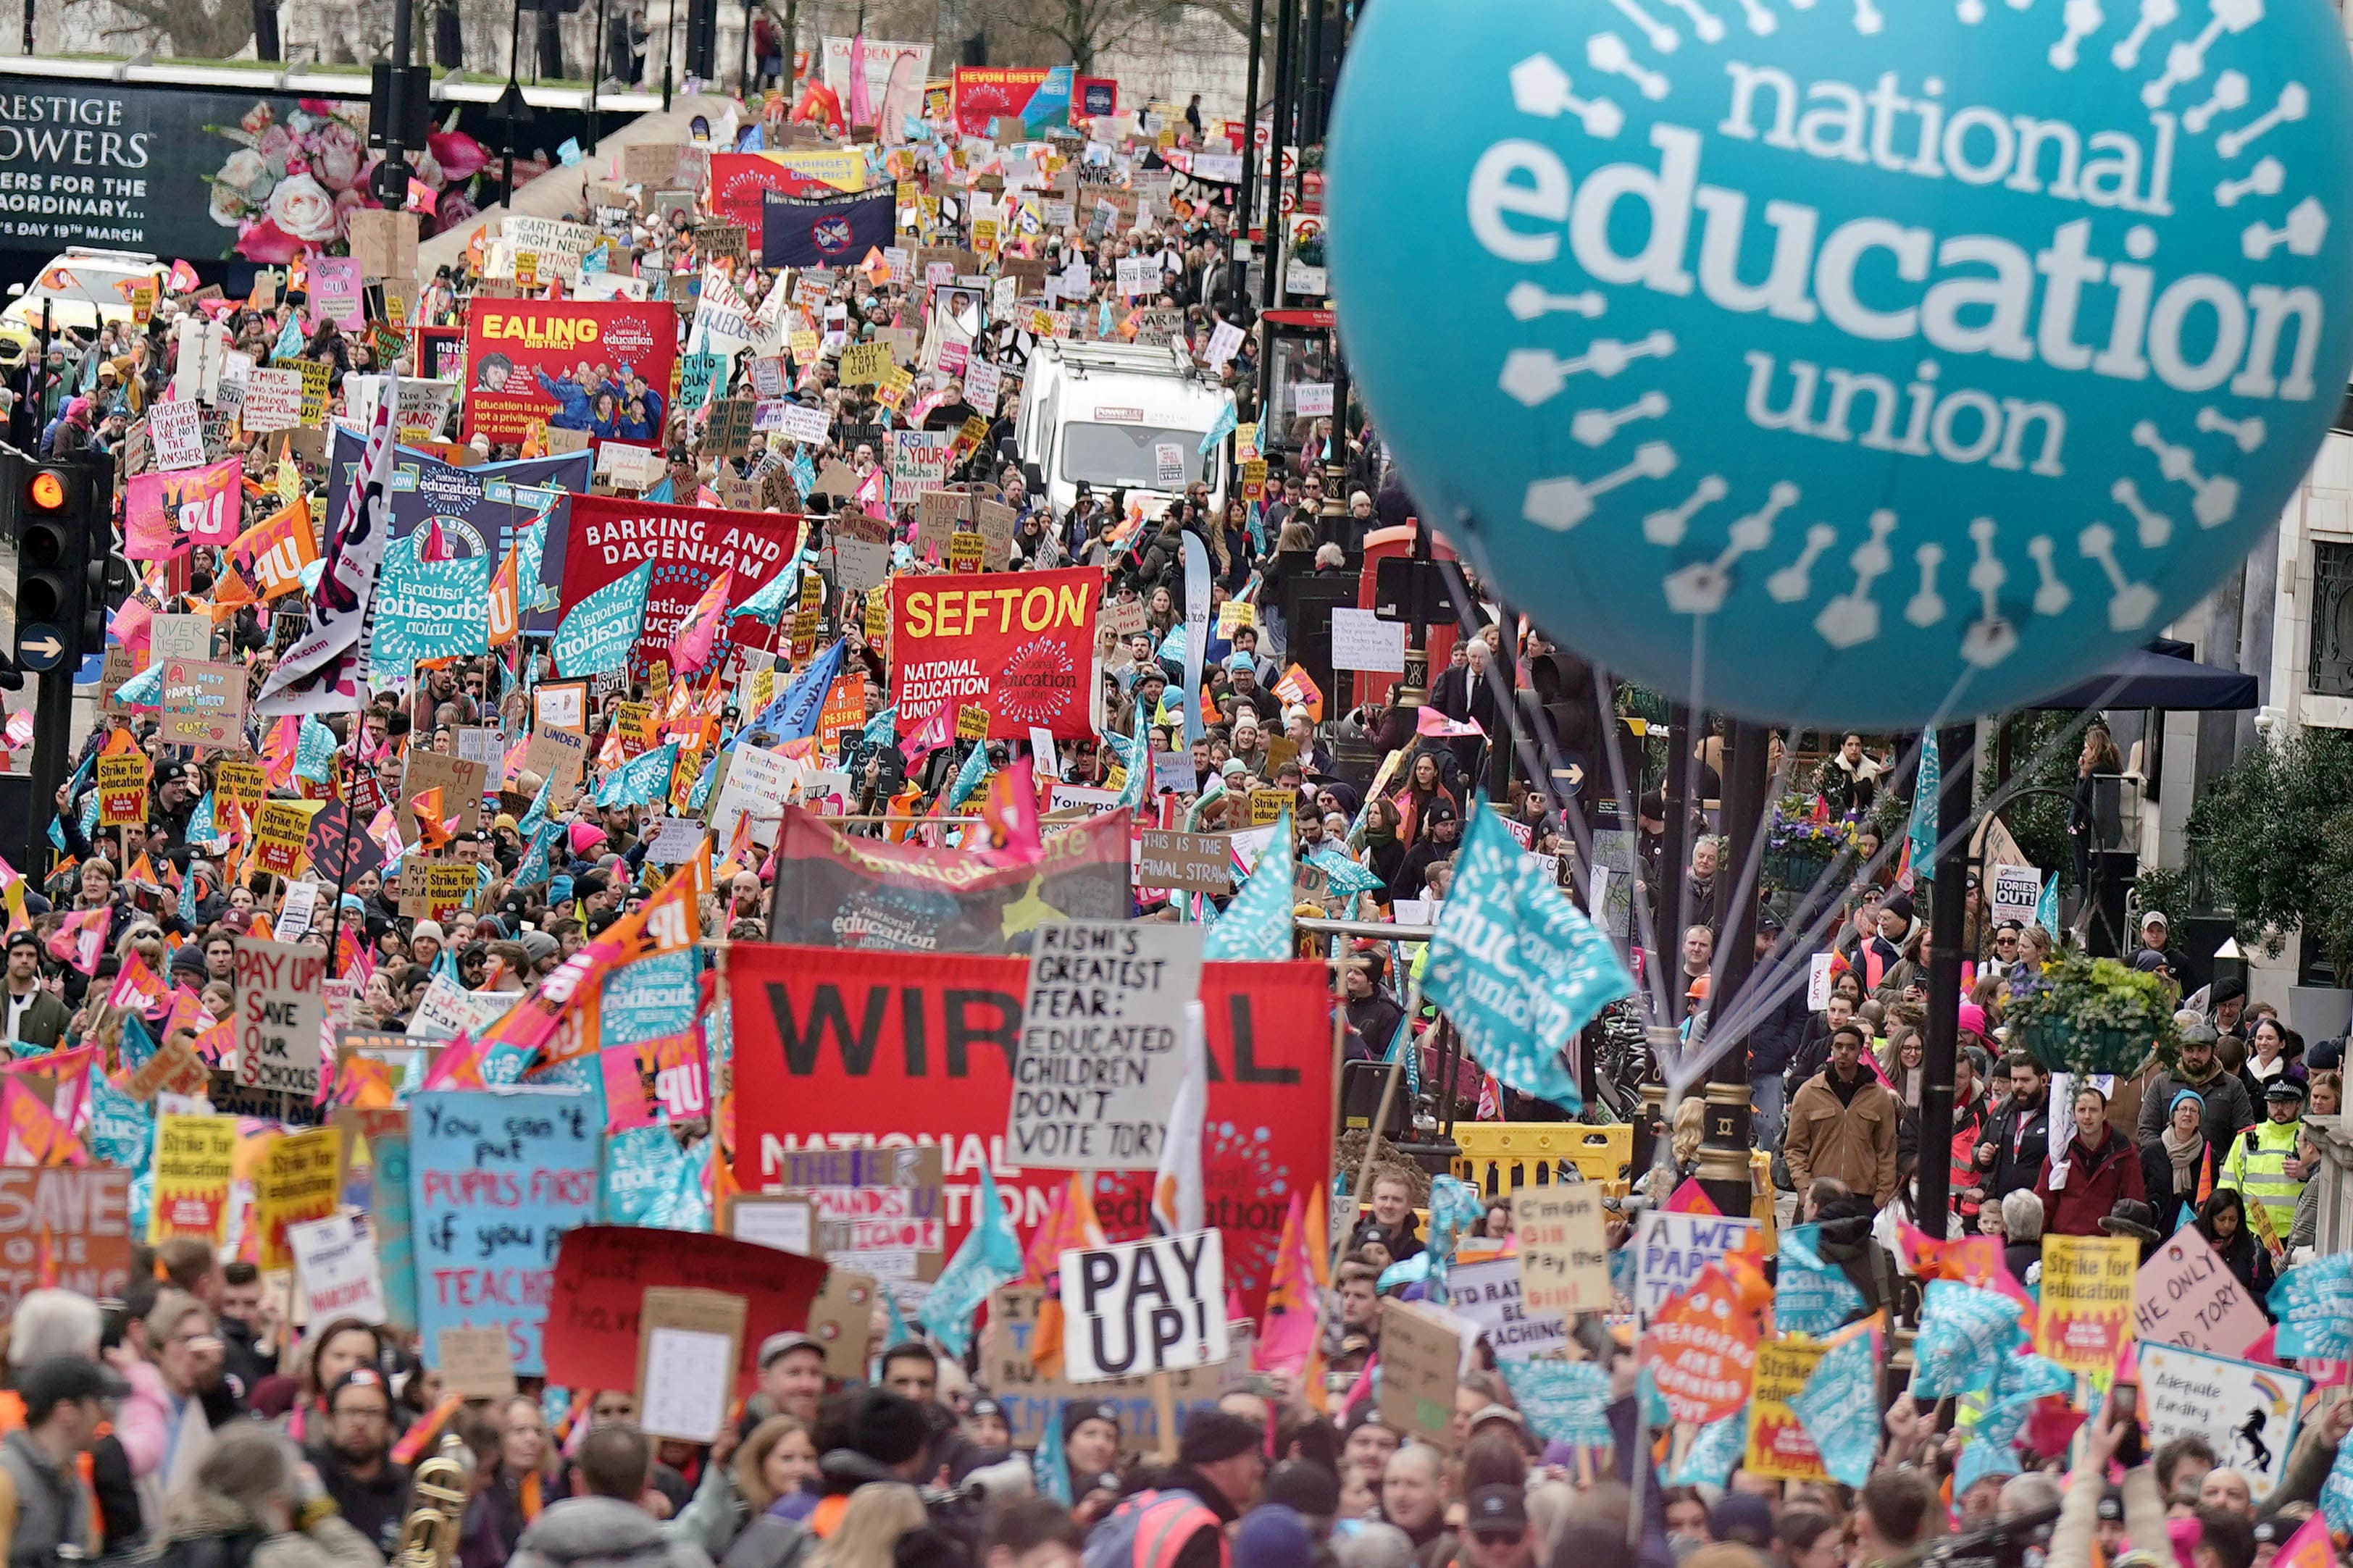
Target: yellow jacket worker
2262,1163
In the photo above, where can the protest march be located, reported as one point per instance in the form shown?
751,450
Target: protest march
1432,823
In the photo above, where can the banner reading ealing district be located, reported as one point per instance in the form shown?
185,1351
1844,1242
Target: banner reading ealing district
1021,644
839,891
610,536
600,366
837,1048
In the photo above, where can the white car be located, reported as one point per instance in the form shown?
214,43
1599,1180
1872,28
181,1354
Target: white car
80,289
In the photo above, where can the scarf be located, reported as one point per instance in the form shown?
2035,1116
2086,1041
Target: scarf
2184,1152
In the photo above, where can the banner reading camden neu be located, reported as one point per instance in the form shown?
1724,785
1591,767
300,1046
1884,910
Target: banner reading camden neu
904,1048
839,891
601,366
689,545
1021,646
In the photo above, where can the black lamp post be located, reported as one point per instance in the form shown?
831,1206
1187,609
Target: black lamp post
511,109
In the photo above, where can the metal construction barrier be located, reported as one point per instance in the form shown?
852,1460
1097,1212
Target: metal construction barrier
1500,1156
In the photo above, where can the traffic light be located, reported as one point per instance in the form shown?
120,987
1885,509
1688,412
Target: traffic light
61,527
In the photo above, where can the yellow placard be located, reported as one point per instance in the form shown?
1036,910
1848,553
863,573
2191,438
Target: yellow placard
864,364
1266,805
2087,1299
122,790
972,722
1779,1443
194,1156
878,618
965,552
278,828
297,1183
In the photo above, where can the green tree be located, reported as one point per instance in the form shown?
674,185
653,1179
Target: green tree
2275,834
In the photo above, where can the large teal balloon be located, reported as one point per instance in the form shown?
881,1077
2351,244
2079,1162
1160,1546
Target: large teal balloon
1848,360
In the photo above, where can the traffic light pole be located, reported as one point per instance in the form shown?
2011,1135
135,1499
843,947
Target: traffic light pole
52,740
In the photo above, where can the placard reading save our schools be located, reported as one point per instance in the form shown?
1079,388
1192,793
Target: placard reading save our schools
611,536
599,366
1020,645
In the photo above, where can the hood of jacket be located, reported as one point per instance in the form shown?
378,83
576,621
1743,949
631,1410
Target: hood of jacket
843,1471
595,1529
199,1510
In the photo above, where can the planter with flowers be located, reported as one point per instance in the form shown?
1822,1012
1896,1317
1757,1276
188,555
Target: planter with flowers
1800,846
2085,1015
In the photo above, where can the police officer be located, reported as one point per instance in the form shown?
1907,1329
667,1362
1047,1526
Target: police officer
2263,1165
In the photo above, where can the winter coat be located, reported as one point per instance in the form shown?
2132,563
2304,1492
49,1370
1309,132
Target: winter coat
2095,1180
2227,1105
2157,1180
2020,1137
602,1533
1851,1139
198,1521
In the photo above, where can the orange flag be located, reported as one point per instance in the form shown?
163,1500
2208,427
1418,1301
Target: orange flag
504,618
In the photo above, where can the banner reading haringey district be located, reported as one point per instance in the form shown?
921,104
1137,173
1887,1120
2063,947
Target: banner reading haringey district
835,1048
1020,646
605,368
610,536
834,890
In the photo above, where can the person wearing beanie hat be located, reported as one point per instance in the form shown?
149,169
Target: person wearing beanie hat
1221,1460
1274,1536
424,942
2224,1105
1305,1487
1089,1437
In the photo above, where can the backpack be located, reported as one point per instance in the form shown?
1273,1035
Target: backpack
212,1550
1149,1529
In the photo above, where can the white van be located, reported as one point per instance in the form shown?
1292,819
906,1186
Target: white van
1099,414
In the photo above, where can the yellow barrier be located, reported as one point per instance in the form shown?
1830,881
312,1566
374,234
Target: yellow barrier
1498,1156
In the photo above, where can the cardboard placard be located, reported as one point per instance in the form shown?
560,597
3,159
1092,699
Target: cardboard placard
1563,1249
1194,862
1421,1360
459,782
842,1320
1100,992
475,1364
689,1343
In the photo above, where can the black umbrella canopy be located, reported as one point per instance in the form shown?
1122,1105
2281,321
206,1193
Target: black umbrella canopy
2160,675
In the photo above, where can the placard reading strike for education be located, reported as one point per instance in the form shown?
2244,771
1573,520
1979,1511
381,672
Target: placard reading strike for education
1157,1305
1099,1060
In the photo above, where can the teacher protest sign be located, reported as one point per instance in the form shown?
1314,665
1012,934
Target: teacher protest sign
1488,1294
2186,1295
281,1004
195,1159
834,890
688,546
337,1266
1100,1061
841,1048
602,1273
1157,1305
1672,1251
2246,1414
426,610
496,1178
66,1227
602,367
163,513
2087,1299
1564,1248
1020,645
1779,1442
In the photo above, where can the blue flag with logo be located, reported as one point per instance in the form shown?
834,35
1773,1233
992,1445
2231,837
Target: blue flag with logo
1839,1408
1565,1400
641,781
1517,966
2046,915
598,635
1714,1450
990,1254
769,600
314,750
792,714
1965,1333
535,818
1926,787
1049,1468
1217,432
969,777
1256,927
1809,1296
2313,1303
834,232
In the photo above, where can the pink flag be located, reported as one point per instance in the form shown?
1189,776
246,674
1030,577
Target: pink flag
690,645
80,939
930,736
1288,1327
1433,722
862,108
434,547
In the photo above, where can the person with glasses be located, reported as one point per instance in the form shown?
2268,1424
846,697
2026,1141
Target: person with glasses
355,1460
177,1398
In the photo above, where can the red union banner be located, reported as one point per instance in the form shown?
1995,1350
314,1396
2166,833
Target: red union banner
688,546
1021,644
846,1049
738,180
603,366
984,93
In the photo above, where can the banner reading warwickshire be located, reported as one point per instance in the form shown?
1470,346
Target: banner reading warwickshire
598,366
837,1048
1021,646
835,890
610,536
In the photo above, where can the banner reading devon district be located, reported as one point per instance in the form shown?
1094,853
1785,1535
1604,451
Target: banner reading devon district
602,367
836,1048
688,546
1021,644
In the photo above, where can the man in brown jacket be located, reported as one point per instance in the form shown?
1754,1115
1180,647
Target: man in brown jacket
1843,1123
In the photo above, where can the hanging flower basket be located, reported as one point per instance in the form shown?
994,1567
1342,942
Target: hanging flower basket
2085,1015
1798,849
